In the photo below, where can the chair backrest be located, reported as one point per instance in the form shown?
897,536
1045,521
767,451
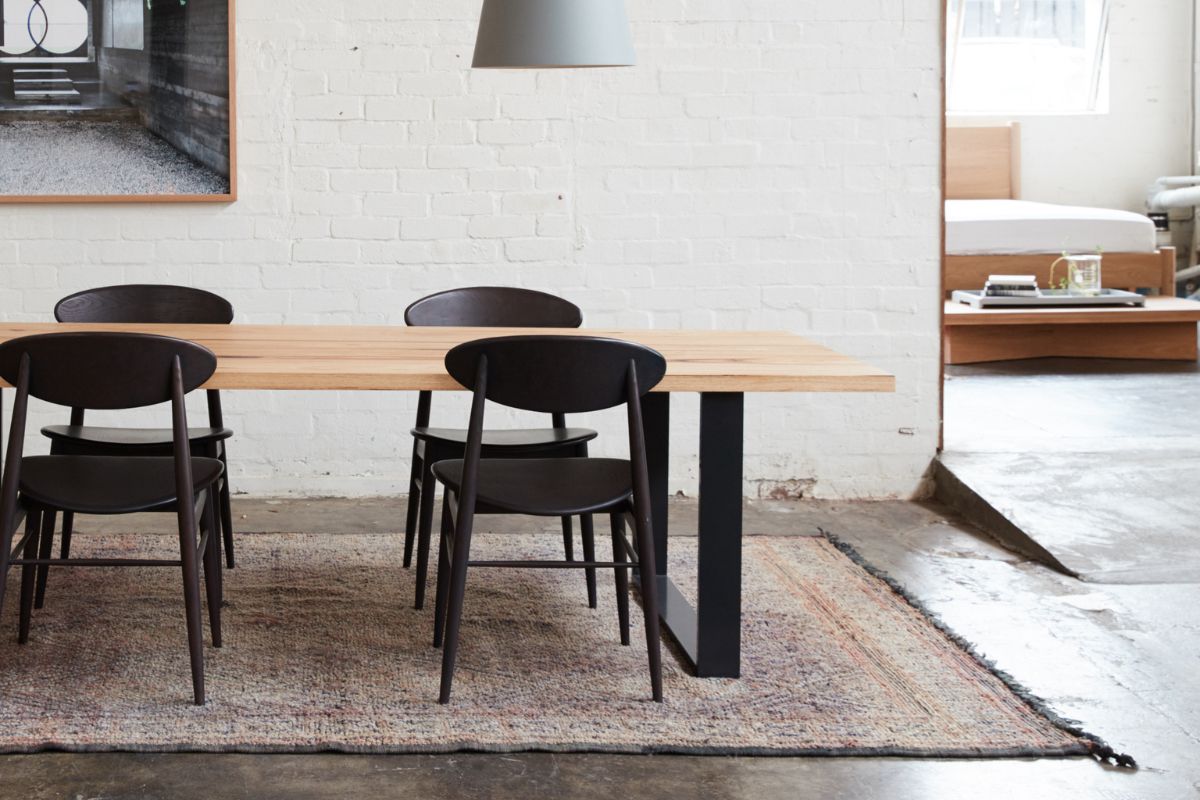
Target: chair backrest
105,370
493,307
145,303
556,374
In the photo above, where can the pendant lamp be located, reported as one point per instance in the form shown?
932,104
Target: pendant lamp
553,34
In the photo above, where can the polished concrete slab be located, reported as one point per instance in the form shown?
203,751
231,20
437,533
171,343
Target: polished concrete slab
1124,660
1096,461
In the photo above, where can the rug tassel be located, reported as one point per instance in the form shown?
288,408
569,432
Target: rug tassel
1106,755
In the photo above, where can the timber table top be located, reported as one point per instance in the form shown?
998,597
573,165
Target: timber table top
1157,309
377,357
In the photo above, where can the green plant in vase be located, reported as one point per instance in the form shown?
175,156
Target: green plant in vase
1071,280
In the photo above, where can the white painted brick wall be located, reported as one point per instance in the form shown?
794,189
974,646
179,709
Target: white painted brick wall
768,164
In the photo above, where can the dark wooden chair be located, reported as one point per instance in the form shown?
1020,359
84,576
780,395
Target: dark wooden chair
488,307
559,375
145,303
110,371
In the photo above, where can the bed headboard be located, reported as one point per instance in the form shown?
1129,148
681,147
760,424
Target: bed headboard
983,163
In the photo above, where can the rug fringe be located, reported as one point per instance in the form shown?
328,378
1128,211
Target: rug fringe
1097,747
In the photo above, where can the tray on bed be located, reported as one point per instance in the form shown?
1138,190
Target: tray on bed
1050,298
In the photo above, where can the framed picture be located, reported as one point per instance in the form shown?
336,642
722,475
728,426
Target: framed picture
117,101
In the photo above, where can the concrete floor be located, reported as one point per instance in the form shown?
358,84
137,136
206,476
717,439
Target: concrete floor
1122,659
1097,461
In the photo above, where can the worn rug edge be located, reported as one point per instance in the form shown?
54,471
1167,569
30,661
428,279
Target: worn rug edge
1090,744
1083,749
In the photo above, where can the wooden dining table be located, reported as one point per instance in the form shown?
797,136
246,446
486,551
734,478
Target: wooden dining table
721,366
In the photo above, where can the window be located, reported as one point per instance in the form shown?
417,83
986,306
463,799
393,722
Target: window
124,24
43,27
1027,56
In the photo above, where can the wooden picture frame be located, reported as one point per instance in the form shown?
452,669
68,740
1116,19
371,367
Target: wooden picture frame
229,193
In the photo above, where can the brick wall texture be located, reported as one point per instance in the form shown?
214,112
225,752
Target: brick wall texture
769,164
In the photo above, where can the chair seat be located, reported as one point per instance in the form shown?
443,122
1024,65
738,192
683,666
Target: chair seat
545,487
109,484
130,437
516,439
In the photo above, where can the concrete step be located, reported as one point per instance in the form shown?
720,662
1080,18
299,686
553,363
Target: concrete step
47,92
44,85
972,503
1101,517
37,95
49,84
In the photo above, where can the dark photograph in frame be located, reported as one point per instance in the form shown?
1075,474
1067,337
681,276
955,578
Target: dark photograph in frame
116,100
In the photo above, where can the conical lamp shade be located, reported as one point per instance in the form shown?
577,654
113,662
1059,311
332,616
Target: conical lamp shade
516,34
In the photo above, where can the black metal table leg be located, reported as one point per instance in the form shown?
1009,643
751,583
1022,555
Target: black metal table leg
719,607
710,634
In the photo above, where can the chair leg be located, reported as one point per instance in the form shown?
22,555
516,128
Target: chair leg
68,527
28,576
226,529
428,495
226,512
414,500
45,551
191,603
649,591
622,575
589,540
443,576
568,539
589,554
213,579
458,588
6,538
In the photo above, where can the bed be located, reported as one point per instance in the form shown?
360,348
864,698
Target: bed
1023,227
989,230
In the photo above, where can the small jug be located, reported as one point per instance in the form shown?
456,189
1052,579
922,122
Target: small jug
1083,274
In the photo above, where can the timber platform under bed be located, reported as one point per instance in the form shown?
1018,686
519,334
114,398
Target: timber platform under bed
1165,329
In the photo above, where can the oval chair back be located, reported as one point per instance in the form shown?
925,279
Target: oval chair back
557,374
145,303
101,370
493,307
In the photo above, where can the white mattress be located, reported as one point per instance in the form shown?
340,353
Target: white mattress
998,227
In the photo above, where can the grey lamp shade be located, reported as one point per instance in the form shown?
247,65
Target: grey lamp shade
515,34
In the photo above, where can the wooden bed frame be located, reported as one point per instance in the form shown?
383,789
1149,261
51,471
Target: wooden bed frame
984,164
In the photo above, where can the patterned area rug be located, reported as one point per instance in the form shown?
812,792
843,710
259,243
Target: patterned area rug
324,652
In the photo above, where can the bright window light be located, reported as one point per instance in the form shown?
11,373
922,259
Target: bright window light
43,27
1027,56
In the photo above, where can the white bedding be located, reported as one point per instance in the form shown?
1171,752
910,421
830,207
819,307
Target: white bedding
999,227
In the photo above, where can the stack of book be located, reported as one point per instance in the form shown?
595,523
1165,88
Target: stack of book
1011,286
